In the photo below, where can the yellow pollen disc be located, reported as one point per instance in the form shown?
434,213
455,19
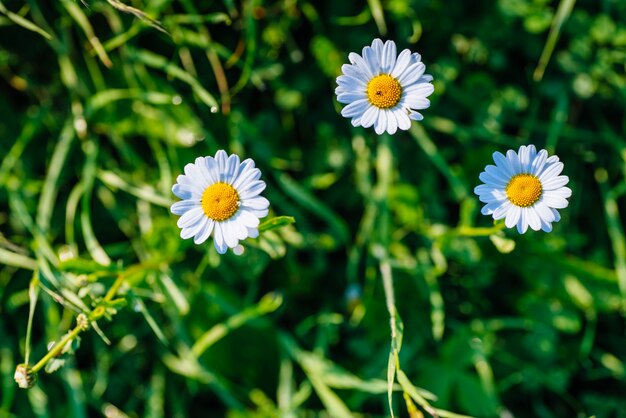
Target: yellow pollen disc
384,91
524,190
220,201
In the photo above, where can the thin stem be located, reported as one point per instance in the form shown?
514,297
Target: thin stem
390,300
56,350
33,292
467,231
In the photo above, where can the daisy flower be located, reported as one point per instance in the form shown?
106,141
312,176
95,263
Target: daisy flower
383,89
221,196
524,188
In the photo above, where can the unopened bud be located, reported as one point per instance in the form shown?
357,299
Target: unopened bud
82,321
24,376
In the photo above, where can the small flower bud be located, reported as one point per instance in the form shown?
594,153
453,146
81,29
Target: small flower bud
24,376
82,321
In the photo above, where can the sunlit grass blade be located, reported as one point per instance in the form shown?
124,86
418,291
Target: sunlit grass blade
276,222
562,13
81,19
428,146
139,14
10,258
51,184
89,175
23,22
298,193
143,191
269,303
33,294
379,17
161,63
615,231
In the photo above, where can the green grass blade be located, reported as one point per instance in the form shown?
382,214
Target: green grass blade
562,13
23,22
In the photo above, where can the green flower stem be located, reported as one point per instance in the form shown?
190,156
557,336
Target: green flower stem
56,350
390,300
96,314
467,231
124,275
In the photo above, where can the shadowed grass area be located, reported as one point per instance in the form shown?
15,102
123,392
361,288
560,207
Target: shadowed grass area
390,289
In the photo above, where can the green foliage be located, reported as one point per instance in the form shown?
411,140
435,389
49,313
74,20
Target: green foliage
104,102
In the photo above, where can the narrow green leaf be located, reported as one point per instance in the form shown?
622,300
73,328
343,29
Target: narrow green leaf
25,23
317,207
276,222
562,13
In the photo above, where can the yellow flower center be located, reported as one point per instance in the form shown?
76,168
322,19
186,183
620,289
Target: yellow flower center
220,201
524,190
384,91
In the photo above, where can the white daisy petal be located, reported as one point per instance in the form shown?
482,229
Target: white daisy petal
258,202
503,164
232,167
421,89
206,225
539,162
524,188
372,61
191,229
347,83
490,208
228,232
218,238
381,122
416,102
524,158
403,61
370,116
496,175
351,96
383,89
213,169
533,219
551,170
546,226
513,160
186,191
392,123
360,63
555,201
190,218
248,177
512,216
247,218
354,72
502,210
555,182
412,73
221,196
522,224
544,212
239,230
356,108
389,54
183,206
404,123
377,46
416,116
252,189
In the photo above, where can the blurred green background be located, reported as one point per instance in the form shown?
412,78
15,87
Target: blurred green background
102,104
